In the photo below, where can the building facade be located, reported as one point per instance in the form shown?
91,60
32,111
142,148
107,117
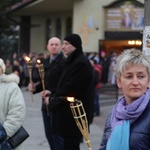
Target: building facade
41,19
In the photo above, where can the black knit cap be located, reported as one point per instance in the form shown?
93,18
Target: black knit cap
75,40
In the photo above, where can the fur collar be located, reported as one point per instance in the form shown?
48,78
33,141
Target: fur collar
9,78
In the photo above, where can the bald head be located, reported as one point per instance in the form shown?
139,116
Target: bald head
54,39
54,46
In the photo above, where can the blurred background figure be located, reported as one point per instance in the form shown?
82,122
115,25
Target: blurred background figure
97,85
112,77
105,62
9,67
18,69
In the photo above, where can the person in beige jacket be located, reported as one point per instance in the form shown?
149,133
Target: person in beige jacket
12,104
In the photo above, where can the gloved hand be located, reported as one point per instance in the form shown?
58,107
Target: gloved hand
56,101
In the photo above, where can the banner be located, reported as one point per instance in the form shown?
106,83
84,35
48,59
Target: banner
125,18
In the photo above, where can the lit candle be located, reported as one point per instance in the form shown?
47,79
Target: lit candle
80,118
38,62
42,73
71,99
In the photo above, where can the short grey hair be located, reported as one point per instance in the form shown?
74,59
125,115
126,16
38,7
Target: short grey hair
131,57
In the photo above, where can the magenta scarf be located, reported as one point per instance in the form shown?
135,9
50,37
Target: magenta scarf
130,112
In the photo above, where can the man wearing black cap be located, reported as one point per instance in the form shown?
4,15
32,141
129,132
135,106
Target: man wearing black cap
75,81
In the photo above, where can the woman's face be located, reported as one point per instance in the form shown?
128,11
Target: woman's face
1,71
134,82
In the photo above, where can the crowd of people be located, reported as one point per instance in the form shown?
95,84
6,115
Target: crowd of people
66,67
70,73
18,64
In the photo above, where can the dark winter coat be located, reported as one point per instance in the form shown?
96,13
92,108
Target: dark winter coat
53,72
76,81
139,132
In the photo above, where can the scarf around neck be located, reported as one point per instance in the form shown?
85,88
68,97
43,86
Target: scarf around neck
122,116
130,112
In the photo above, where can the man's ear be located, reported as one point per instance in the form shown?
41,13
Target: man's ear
118,83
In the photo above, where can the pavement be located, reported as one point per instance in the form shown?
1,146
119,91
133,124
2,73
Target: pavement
34,125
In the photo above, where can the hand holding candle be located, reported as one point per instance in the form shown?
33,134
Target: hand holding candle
42,73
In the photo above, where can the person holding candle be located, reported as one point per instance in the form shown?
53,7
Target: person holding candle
53,67
76,81
128,124
12,106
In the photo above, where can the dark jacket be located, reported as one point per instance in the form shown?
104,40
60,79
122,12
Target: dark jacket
53,72
139,132
76,81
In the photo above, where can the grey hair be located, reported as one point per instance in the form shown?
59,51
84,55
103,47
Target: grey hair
131,57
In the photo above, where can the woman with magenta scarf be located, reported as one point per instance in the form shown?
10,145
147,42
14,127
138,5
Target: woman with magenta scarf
128,125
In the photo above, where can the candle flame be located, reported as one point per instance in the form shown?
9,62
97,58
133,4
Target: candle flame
38,61
71,99
27,58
